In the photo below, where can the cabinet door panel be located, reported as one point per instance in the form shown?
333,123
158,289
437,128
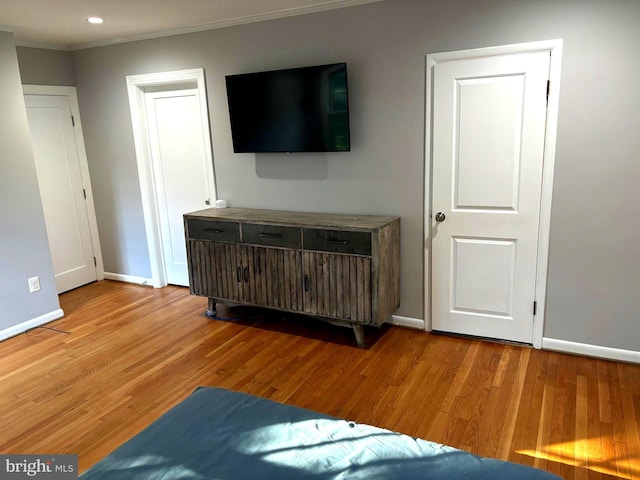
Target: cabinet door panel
200,268
337,286
273,278
195,268
212,269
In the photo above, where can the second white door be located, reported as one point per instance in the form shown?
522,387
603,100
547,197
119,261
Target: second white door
180,174
489,118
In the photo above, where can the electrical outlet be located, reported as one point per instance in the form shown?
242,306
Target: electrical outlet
34,284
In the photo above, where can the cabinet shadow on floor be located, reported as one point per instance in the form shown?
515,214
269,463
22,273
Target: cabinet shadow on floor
294,324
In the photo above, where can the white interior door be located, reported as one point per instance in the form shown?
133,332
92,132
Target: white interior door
178,151
488,135
61,190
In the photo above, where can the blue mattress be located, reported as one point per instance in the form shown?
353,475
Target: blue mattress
220,434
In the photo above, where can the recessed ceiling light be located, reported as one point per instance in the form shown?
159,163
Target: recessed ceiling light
95,20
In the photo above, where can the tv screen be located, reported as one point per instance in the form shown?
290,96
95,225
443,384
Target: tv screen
294,110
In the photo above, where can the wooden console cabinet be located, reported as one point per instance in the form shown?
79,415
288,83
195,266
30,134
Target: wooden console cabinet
341,268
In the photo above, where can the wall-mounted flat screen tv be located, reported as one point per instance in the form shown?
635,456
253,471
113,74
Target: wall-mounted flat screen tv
294,110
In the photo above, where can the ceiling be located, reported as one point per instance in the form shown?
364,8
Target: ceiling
62,24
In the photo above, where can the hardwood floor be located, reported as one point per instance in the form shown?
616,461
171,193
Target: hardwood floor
124,354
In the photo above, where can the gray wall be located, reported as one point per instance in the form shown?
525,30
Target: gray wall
594,260
24,249
39,66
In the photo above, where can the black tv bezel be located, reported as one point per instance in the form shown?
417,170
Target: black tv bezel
343,64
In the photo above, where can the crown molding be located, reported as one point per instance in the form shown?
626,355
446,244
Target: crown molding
46,46
231,22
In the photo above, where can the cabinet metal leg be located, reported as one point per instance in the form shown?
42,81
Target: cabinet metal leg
358,330
211,309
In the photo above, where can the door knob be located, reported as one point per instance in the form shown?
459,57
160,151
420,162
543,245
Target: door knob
440,217
207,202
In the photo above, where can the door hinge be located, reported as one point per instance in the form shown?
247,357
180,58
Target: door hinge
73,121
535,307
84,192
548,90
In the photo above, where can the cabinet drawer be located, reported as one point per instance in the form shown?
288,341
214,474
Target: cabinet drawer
339,241
214,230
271,235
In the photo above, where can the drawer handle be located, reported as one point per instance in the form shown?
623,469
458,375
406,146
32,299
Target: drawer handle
306,283
239,274
335,240
246,274
213,230
270,235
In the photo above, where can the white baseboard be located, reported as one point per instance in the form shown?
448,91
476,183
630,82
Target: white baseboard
127,278
591,350
406,322
33,323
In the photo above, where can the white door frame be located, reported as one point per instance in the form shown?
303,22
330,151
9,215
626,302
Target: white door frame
555,49
136,87
72,95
